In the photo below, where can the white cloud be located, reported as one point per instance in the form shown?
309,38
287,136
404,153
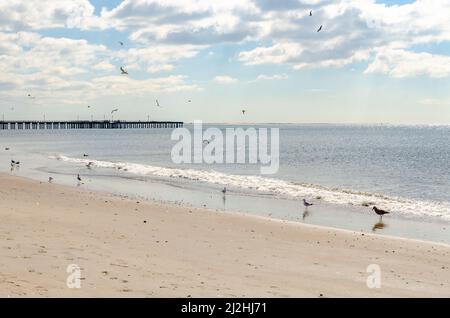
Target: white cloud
160,68
104,66
433,102
401,63
155,58
123,85
163,33
263,77
18,15
276,54
224,79
66,69
353,31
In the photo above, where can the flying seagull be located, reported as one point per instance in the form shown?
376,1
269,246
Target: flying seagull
224,190
114,110
189,100
157,103
32,97
310,13
320,29
306,204
123,70
379,211
121,43
243,112
78,178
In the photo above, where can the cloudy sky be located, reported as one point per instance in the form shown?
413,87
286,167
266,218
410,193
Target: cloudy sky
374,61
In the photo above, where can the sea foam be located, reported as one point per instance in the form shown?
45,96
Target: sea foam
282,188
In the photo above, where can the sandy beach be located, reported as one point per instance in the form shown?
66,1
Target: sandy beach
127,248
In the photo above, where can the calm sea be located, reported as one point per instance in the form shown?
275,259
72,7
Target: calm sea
401,168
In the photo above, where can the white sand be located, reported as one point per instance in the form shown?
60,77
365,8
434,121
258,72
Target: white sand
185,251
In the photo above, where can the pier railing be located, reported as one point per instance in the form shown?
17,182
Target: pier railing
85,124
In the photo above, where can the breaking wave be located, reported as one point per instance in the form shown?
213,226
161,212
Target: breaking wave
280,187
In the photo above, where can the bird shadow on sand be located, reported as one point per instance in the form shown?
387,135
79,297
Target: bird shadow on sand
380,225
305,214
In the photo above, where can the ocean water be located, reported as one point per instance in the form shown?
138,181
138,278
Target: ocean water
404,169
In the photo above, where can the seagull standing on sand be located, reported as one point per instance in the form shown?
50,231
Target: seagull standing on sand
50,179
306,204
224,190
380,212
123,70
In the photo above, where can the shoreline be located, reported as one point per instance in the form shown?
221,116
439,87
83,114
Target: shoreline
40,164
192,194
193,252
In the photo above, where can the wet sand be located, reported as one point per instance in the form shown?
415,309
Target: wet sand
131,248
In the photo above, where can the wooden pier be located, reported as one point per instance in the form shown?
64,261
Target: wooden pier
85,124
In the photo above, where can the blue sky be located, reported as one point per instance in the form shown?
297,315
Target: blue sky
373,61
